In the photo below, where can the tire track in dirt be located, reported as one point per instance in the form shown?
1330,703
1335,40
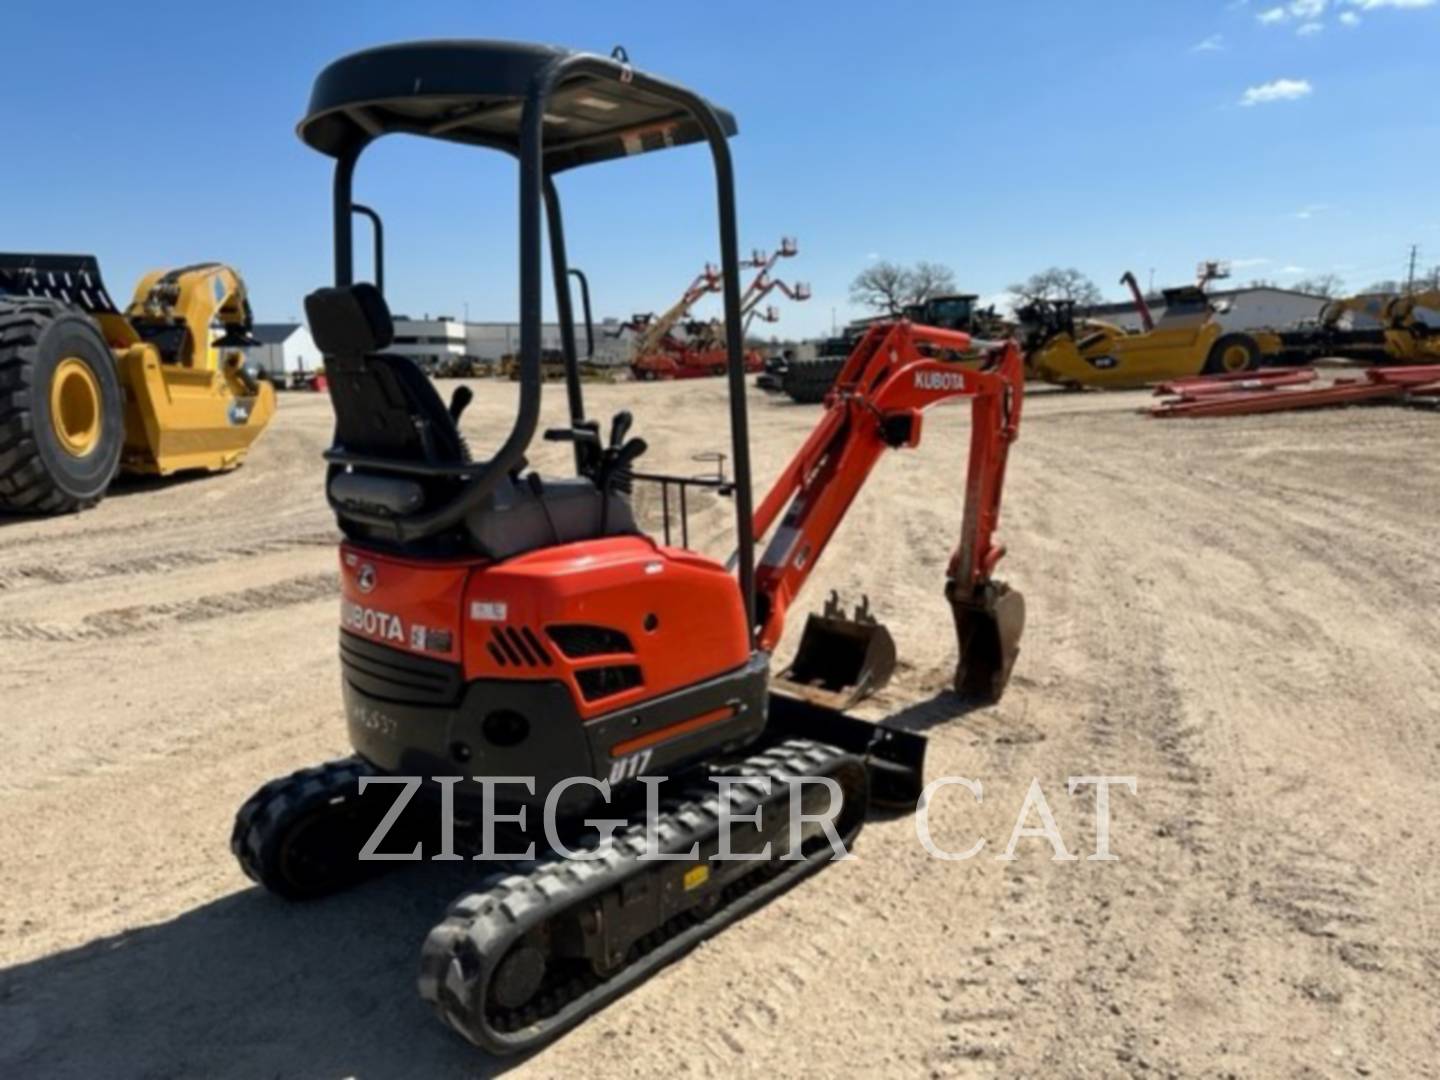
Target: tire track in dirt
62,573
773,996
144,618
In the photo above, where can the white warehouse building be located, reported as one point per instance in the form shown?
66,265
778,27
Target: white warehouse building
493,340
428,341
283,350
287,349
1258,308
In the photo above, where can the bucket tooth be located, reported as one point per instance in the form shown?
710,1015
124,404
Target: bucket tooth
841,660
988,623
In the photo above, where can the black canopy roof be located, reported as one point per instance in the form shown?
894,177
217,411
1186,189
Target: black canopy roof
473,92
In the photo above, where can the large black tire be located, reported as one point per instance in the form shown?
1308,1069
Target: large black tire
1226,355
808,381
38,474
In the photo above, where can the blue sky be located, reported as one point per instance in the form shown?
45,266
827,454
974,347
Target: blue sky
998,138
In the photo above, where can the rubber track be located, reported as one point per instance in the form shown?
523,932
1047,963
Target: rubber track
460,954
808,381
288,797
25,486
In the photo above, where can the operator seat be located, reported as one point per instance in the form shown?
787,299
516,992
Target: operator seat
398,451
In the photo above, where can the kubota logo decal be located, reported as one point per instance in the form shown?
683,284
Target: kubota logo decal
939,380
372,623
365,579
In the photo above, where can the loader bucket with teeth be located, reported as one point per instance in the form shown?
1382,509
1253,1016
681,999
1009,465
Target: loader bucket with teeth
841,661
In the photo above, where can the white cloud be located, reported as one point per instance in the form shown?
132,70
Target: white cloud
1371,5
872,255
1306,29
1279,90
1213,43
1245,264
1349,18
1306,11
1291,270
1305,213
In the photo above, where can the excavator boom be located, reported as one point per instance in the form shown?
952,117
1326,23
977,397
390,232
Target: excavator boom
877,404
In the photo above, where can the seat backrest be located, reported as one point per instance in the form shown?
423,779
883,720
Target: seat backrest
384,405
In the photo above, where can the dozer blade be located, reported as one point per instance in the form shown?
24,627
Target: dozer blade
988,622
841,661
894,759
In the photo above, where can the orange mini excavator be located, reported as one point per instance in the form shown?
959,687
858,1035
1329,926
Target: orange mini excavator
499,624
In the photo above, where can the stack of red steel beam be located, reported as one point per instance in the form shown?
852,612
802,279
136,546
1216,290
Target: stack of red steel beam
1280,389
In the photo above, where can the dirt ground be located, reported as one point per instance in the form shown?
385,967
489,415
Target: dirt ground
1241,614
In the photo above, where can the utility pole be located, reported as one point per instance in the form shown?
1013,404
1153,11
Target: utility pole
1410,281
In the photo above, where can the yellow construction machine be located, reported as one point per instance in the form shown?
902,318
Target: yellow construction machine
1187,339
1412,328
86,390
1377,328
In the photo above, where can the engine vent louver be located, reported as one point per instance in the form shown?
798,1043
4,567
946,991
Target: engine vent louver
510,646
580,640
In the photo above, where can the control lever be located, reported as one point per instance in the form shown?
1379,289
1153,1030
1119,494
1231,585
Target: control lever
586,436
615,470
620,427
613,475
460,401
587,433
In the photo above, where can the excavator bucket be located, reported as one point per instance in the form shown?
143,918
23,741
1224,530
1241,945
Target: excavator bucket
841,661
988,623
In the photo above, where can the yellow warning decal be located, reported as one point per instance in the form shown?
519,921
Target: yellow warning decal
696,876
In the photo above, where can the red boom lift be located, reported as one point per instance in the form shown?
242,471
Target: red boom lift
661,355
495,623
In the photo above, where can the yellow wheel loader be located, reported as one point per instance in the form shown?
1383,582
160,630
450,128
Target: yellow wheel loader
86,390
1187,339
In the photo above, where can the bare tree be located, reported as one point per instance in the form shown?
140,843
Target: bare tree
1262,283
890,288
1384,287
930,279
1057,283
884,286
1326,285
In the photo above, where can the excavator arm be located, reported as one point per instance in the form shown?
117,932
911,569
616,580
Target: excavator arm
877,403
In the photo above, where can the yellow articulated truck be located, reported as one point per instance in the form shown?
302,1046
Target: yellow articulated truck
87,391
